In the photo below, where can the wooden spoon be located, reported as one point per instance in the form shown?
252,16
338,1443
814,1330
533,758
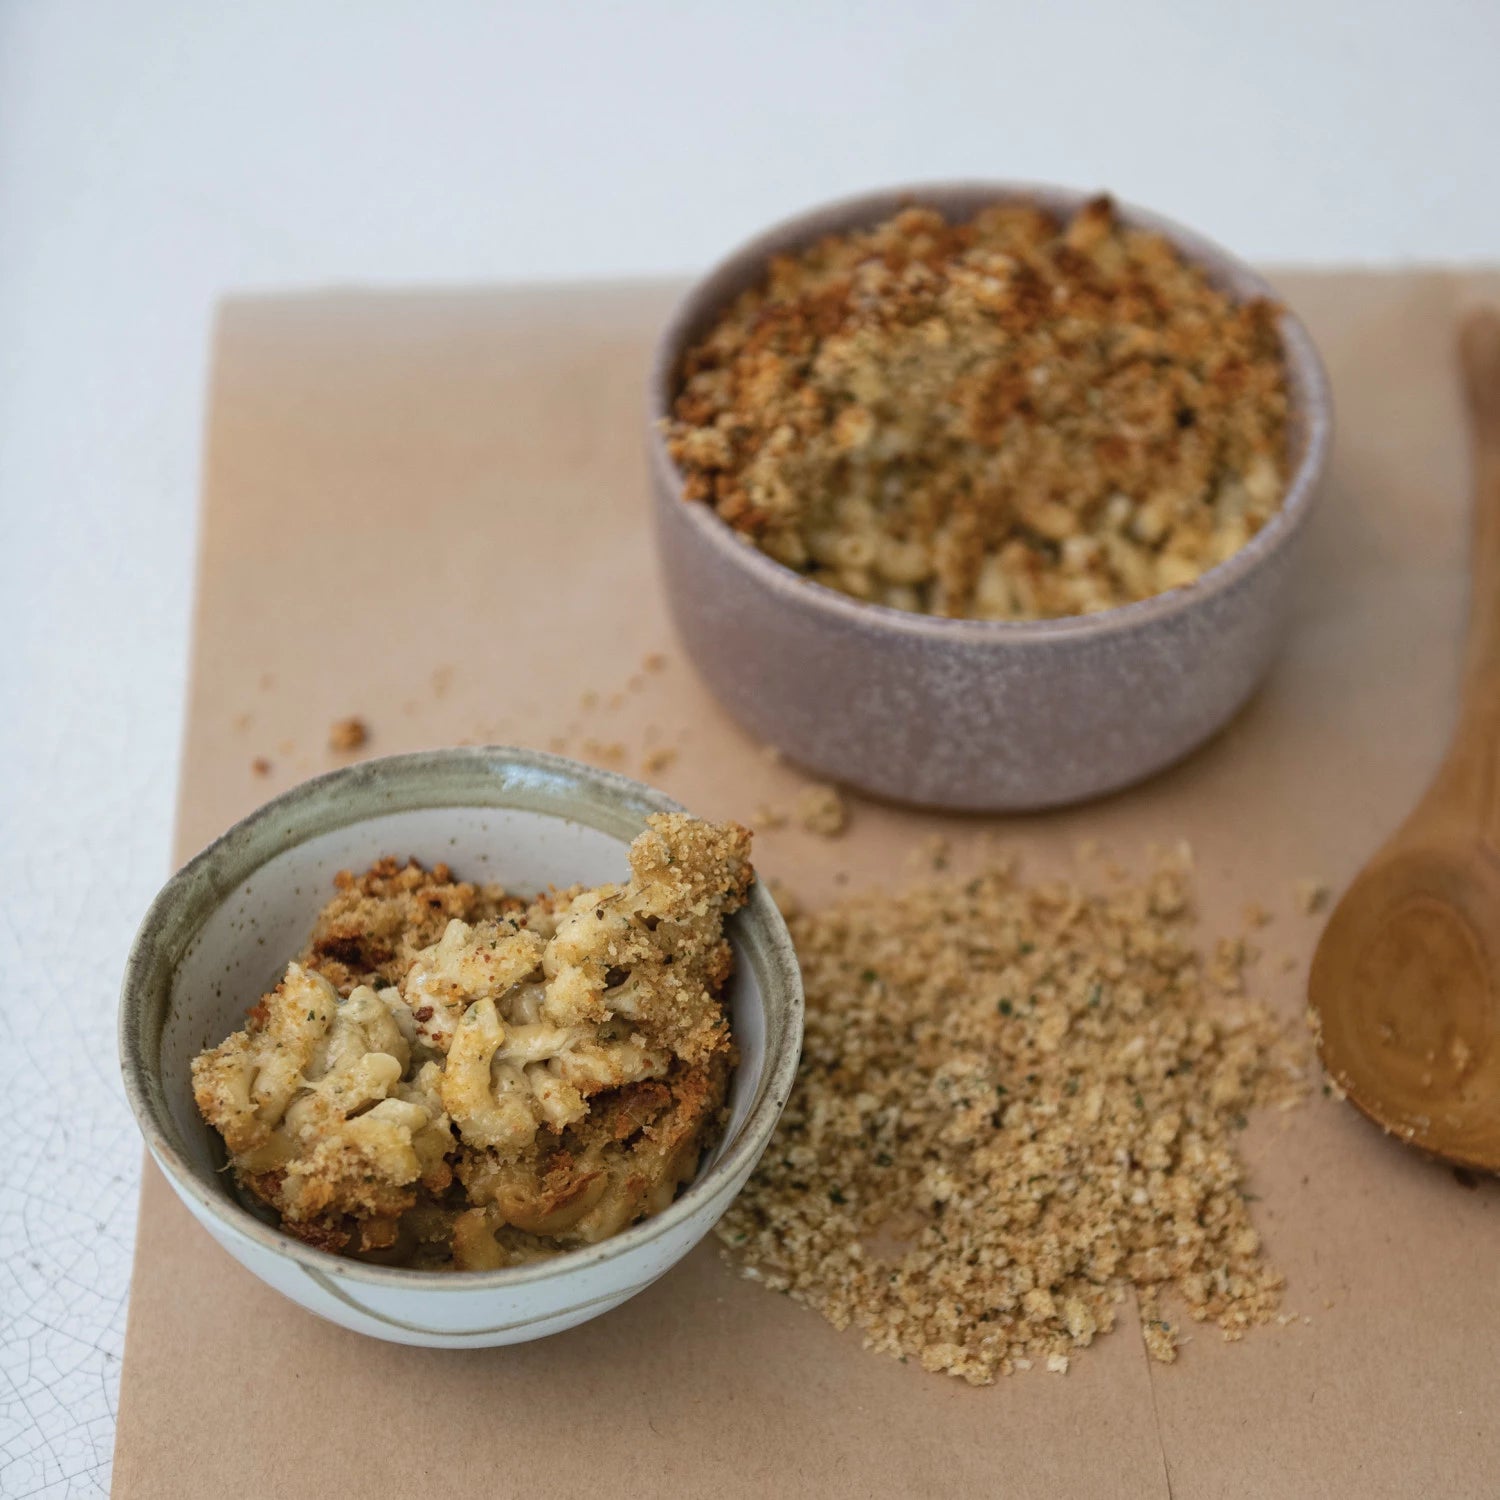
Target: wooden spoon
1405,984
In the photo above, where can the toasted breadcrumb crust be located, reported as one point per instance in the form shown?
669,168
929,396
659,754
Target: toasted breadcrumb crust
452,1077
1016,1103
1009,418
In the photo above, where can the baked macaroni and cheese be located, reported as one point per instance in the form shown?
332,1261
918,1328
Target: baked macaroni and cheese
450,1076
1010,418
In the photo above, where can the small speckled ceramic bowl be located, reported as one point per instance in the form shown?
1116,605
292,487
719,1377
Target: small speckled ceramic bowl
223,927
973,714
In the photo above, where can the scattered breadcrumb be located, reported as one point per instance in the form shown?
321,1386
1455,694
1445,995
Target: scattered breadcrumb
1017,1103
348,734
261,766
1008,418
821,809
656,761
1310,895
588,699
609,754
768,818
654,661
1228,966
242,722
931,854
1257,916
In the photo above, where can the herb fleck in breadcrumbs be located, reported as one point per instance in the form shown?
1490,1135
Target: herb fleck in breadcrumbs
821,809
1007,418
1025,1098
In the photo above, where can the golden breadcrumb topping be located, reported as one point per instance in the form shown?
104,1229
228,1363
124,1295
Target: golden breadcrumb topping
1016,1104
1009,418
450,1076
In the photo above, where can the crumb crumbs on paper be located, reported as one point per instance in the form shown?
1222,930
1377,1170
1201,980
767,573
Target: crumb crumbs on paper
1018,1103
260,766
767,818
606,753
1310,895
931,854
346,735
820,808
1256,916
654,661
654,762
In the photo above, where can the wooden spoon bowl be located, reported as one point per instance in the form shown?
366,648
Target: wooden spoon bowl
1405,985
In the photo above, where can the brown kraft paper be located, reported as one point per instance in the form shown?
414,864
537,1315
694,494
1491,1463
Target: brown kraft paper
429,509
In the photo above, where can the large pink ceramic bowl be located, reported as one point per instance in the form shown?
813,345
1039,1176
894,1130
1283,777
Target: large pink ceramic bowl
974,714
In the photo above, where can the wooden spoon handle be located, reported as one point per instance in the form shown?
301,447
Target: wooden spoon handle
1477,748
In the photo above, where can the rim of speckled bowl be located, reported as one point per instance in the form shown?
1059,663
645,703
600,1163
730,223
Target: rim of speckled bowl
1310,408
515,779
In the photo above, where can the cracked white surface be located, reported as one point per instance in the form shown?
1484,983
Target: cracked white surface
154,153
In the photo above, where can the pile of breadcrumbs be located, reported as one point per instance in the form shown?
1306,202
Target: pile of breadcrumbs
1015,1103
1006,418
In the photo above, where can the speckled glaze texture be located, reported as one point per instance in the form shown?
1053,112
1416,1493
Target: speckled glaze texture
223,927
969,714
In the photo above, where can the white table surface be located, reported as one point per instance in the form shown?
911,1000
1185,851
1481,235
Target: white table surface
155,155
